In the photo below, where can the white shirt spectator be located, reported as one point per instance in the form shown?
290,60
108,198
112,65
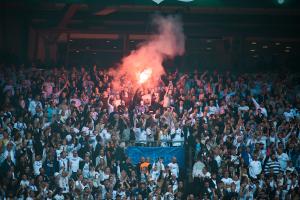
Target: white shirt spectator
165,139
24,183
32,106
155,174
11,153
219,160
79,185
20,126
174,168
197,168
263,110
213,110
140,135
243,108
177,140
283,159
59,197
9,88
255,168
77,102
227,181
160,166
63,163
37,165
291,114
105,135
74,163
64,184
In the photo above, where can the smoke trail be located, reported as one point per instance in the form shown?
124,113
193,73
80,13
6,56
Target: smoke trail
168,42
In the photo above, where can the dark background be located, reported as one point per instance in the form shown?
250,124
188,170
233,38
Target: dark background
248,35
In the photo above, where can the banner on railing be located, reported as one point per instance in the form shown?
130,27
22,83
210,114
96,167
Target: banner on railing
135,153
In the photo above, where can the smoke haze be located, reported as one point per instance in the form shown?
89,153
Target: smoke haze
168,42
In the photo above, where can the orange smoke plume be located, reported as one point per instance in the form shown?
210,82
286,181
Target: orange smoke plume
144,65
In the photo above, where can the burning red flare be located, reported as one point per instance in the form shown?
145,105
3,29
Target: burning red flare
144,75
144,66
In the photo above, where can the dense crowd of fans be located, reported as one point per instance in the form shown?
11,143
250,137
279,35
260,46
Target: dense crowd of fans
63,134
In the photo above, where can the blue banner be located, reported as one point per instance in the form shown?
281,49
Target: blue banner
135,153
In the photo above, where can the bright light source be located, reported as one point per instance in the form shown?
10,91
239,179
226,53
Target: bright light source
252,50
253,43
107,41
145,75
280,2
132,41
277,43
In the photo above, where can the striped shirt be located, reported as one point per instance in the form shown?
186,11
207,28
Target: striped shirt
272,165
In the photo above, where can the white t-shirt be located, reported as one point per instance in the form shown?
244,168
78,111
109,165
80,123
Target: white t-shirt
36,167
59,197
283,159
140,135
74,163
243,108
197,168
86,170
177,140
174,168
63,163
105,135
227,181
64,184
255,168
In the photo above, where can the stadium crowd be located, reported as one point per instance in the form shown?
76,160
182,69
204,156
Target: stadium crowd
63,133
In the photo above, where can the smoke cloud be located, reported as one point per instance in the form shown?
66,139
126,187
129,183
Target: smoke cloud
146,61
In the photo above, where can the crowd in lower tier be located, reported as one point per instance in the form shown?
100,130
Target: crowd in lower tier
63,133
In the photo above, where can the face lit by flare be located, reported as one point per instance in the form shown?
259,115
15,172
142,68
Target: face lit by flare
144,75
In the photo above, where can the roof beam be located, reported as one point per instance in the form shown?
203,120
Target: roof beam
71,10
107,11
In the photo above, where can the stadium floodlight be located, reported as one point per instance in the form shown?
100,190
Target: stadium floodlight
159,1
280,1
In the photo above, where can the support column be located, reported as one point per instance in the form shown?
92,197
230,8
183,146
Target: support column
36,45
67,51
125,44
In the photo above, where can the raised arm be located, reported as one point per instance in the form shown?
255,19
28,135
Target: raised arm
204,74
257,106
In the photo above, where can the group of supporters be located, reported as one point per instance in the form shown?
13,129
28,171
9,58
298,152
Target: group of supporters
63,133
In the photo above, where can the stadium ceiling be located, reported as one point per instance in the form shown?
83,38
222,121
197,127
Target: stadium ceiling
200,17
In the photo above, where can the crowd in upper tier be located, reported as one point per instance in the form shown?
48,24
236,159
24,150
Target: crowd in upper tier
63,133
